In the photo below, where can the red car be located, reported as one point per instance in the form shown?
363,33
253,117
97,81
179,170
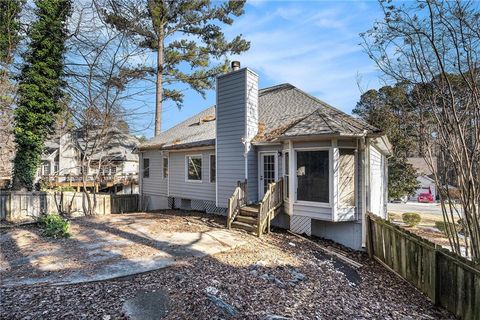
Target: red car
425,197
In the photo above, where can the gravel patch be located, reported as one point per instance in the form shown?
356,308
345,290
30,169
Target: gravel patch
265,278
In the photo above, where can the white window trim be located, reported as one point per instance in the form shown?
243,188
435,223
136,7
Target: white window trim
187,156
330,178
168,167
210,168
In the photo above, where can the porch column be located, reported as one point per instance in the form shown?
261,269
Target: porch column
293,175
334,175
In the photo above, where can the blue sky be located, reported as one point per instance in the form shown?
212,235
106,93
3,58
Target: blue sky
313,45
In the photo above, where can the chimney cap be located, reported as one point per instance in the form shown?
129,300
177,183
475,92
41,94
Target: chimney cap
235,65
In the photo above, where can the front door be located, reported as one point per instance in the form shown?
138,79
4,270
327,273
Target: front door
267,172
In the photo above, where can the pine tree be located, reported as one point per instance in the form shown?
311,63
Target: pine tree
184,34
40,87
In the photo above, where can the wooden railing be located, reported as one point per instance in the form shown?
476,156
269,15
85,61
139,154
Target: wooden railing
272,200
236,201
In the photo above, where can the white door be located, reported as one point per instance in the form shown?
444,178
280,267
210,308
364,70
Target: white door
267,172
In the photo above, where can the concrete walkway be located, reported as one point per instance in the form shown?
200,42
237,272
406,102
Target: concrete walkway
101,250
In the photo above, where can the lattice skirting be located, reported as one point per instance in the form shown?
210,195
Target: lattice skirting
198,205
193,204
301,224
171,202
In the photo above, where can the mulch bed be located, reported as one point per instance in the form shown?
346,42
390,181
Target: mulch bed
258,280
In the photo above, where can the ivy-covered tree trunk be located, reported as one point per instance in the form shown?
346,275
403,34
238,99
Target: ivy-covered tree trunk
40,88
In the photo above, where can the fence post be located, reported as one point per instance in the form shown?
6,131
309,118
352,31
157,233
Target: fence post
369,235
434,272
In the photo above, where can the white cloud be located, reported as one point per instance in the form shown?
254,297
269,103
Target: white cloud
314,47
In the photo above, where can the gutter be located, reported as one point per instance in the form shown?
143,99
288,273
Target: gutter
185,146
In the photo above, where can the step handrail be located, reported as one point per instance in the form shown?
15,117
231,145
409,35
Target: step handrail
236,201
271,201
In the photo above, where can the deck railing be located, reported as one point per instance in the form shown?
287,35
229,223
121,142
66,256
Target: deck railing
236,201
272,200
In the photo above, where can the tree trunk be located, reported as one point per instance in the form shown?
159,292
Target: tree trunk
159,85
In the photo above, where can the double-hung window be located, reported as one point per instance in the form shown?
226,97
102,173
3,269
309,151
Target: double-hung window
165,168
146,168
213,169
194,168
313,176
346,179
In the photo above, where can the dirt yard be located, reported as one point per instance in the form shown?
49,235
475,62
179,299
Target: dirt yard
278,275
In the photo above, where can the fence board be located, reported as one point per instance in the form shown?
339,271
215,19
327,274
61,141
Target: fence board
15,206
449,280
123,203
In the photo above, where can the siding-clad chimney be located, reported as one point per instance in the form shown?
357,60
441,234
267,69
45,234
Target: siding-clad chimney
237,125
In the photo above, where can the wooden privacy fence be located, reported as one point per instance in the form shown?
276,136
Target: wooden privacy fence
123,203
16,206
449,280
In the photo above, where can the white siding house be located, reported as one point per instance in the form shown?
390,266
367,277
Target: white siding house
333,165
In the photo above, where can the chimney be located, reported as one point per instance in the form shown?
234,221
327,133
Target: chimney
235,65
236,126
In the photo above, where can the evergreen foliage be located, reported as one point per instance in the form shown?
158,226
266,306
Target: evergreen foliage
40,87
390,110
187,37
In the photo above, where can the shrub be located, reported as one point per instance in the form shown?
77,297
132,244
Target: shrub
411,219
441,225
54,226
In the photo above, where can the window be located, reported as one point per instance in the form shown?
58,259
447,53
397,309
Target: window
165,167
146,168
346,179
56,167
313,176
194,168
113,170
213,169
286,176
46,168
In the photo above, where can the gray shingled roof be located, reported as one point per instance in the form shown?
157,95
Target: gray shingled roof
284,112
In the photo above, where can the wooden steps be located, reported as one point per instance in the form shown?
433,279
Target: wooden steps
244,226
250,210
247,219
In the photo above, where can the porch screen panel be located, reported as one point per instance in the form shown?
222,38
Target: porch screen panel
346,183
313,178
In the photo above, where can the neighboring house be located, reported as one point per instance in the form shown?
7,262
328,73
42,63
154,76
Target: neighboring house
421,166
426,183
333,165
115,163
